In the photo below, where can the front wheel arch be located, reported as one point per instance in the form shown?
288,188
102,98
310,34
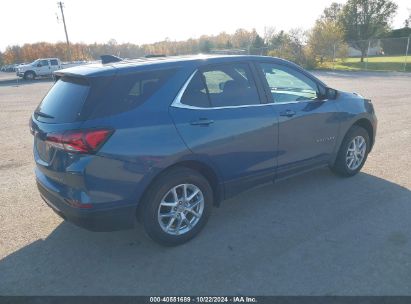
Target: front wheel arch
339,165
359,122
26,73
365,124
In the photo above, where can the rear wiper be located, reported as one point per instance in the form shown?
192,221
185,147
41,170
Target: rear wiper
43,114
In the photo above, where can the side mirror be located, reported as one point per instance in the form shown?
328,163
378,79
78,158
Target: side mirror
327,93
331,93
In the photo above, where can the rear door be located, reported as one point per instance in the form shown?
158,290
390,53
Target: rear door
54,65
43,68
221,116
307,126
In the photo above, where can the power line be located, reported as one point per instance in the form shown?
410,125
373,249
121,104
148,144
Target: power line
61,5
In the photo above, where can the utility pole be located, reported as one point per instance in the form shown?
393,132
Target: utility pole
406,53
61,5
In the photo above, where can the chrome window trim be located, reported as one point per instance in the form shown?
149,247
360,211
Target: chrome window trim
177,100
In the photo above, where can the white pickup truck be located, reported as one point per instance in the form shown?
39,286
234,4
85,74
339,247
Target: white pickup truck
40,67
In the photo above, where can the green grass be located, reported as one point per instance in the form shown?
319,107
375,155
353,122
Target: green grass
382,63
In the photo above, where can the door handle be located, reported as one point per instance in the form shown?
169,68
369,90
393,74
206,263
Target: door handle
202,122
288,113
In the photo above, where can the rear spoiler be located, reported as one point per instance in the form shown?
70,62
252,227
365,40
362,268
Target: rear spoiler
80,78
89,70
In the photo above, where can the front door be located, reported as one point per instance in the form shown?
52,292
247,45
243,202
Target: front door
221,118
43,68
307,125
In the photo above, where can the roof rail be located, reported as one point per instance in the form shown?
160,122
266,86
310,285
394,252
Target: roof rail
109,59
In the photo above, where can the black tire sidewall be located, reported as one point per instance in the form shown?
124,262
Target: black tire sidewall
340,166
154,196
29,73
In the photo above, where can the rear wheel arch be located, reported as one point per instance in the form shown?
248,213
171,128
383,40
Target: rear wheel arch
200,167
157,213
208,173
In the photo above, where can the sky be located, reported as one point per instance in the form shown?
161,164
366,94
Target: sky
139,22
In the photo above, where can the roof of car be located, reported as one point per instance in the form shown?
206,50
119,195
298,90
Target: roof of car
130,65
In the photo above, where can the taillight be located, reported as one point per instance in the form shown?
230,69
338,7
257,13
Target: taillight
83,141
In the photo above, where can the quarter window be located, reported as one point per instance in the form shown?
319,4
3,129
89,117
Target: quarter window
220,86
287,84
129,91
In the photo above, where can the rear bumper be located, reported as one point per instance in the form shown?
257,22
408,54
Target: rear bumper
101,219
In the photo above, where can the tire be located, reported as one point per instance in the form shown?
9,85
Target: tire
348,163
30,75
161,194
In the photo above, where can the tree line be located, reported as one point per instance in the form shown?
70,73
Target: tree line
241,39
354,22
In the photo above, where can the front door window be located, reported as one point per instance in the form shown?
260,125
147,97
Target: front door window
288,85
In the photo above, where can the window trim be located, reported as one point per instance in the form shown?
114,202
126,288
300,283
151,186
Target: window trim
261,97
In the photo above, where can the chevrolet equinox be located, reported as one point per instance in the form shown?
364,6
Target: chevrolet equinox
162,140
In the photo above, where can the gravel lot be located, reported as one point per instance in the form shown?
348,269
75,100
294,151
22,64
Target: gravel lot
315,234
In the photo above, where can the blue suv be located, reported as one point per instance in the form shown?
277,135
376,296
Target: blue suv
162,140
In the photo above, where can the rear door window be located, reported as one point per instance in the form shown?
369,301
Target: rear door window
64,101
221,86
54,62
196,93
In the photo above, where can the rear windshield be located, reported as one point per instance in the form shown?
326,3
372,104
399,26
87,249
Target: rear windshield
63,103
73,99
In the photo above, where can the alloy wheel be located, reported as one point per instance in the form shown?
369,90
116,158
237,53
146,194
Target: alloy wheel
181,209
355,152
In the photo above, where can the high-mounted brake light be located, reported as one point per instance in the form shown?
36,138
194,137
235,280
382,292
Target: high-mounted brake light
83,141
